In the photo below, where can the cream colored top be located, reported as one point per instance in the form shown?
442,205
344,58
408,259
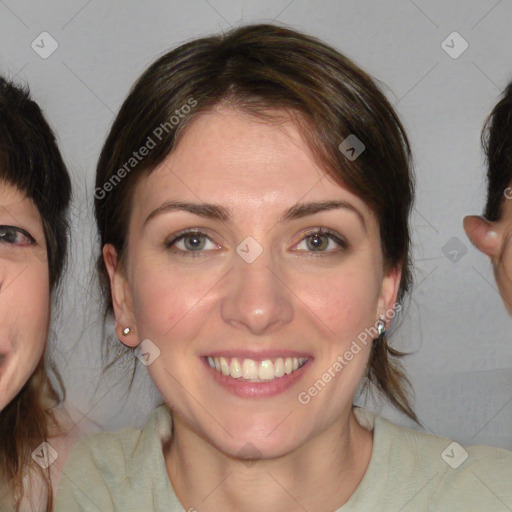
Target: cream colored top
409,471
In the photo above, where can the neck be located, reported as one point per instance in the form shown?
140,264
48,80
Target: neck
321,474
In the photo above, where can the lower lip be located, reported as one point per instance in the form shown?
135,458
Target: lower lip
247,389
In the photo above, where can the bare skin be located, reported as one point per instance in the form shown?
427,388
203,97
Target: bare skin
24,291
296,296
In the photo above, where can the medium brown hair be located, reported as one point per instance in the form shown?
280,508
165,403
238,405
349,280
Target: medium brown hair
30,160
256,68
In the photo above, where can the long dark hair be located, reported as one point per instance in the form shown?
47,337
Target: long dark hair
254,68
30,160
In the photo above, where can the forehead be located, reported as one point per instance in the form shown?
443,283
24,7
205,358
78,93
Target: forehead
14,200
230,157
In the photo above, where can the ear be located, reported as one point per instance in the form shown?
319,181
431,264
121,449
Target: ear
121,298
484,235
389,292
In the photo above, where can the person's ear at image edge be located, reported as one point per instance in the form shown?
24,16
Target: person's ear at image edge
121,298
485,235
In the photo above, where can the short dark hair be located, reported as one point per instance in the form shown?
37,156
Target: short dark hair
497,144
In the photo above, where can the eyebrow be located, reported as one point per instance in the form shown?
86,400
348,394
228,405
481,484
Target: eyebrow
304,209
209,211
218,212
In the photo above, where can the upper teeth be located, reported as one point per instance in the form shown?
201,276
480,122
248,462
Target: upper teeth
250,369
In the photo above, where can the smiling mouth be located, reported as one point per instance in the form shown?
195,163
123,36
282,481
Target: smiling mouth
256,371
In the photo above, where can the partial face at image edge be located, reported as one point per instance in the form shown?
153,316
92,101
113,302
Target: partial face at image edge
24,291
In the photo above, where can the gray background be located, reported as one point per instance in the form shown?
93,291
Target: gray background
455,323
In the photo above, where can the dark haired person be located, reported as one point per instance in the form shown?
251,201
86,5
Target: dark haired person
255,257
491,233
35,192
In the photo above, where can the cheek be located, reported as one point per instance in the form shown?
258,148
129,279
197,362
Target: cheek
32,299
25,299
24,323
167,302
345,301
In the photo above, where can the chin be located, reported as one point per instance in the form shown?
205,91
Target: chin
5,398
266,439
253,450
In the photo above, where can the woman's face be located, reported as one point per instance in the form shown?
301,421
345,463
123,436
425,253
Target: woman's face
495,240
243,254
24,291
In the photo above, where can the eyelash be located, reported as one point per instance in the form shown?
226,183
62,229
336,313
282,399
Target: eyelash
331,235
181,236
342,243
10,230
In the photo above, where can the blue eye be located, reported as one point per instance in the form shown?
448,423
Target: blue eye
190,242
193,242
15,236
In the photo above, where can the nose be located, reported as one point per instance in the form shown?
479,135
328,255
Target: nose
256,297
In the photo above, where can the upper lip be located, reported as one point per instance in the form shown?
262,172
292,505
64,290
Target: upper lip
257,355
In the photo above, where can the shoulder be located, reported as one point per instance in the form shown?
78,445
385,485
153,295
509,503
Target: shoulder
67,428
445,452
446,472
94,467
109,464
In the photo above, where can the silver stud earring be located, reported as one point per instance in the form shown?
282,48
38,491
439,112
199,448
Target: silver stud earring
126,331
381,327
